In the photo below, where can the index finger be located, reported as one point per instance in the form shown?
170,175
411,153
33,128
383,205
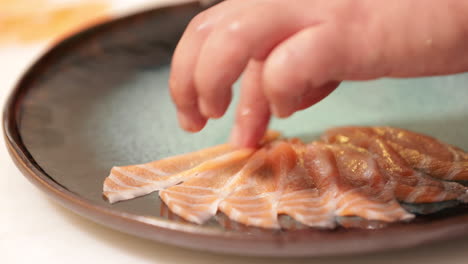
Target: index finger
181,80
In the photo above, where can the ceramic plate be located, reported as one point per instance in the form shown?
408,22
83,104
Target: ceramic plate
100,99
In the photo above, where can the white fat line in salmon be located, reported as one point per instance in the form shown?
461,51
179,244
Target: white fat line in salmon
441,197
397,211
414,195
116,180
243,205
252,213
372,215
120,195
109,189
153,170
321,224
306,191
171,200
349,203
455,153
200,175
193,196
303,208
193,217
227,157
250,198
423,178
242,187
233,213
345,194
326,221
425,160
175,208
196,219
198,188
133,175
311,200
254,221
454,170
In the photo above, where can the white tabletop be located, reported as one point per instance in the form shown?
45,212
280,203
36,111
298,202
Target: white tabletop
34,229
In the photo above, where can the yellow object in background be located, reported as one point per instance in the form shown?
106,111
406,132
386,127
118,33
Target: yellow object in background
29,21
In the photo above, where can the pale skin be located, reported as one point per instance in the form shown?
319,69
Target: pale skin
293,53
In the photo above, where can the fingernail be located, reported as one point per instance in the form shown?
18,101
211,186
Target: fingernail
186,123
204,109
286,108
280,112
208,110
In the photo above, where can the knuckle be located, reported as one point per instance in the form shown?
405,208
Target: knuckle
199,23
231,33
235,26
199,19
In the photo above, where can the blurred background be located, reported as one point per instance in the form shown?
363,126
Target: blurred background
30,27
31,21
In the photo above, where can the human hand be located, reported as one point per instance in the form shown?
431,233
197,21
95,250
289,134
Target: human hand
294,53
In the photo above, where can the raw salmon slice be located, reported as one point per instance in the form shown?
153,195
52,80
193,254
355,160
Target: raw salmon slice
254,196
455,169
421,152
282,185
197,198
354,178
305,195
362,190
411,186
129,182
427,154
354,186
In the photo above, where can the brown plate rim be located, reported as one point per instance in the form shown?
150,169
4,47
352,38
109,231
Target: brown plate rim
189,235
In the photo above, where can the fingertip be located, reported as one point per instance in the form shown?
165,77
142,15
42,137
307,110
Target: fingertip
317,94
243,138
255,139
208,110
205,110
191,122
215,107
283,109
249,130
